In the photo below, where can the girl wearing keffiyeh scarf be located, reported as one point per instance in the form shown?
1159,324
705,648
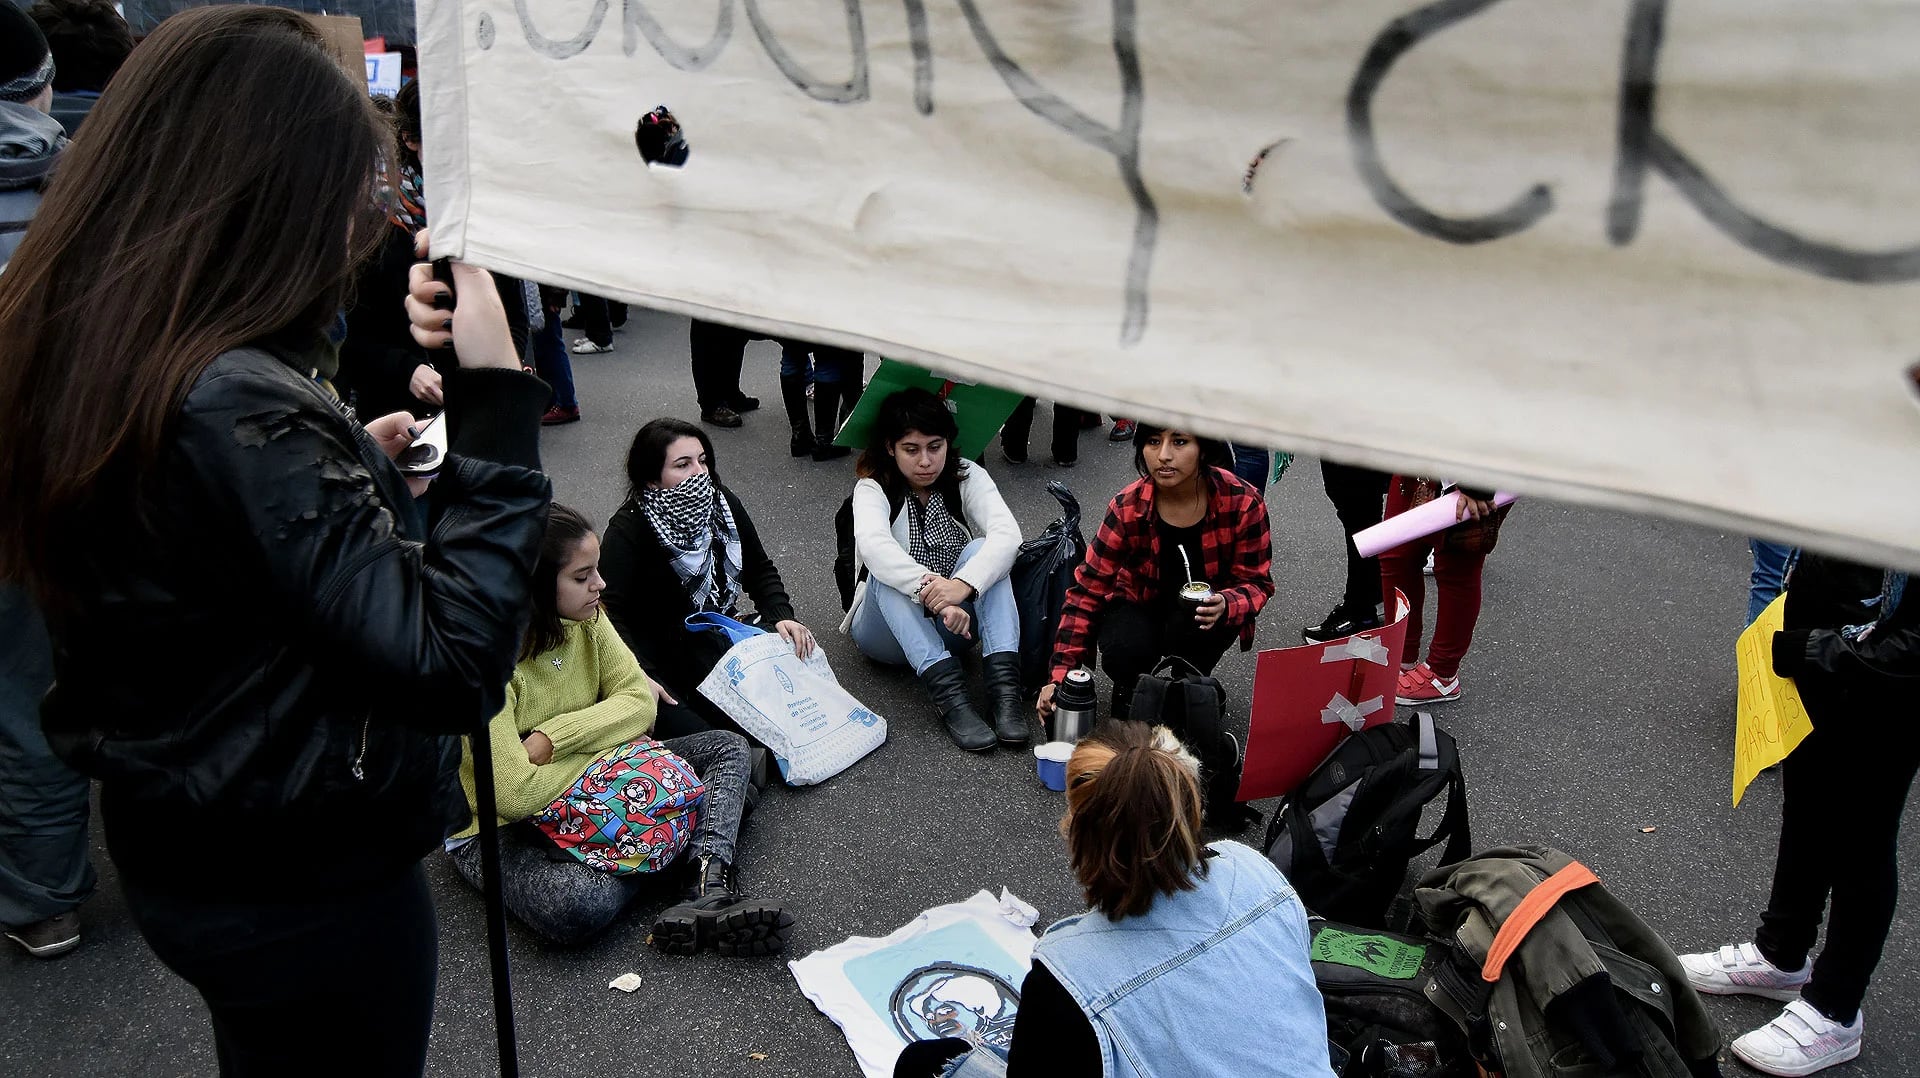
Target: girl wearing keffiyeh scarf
683,543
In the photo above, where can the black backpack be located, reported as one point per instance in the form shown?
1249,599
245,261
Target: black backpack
1374,984
1194,707
1347,835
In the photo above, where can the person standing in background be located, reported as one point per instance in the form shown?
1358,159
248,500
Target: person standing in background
1851,644
1356,494
1067,424
89,41
551,362
1769,577
833,377
717,352
44,871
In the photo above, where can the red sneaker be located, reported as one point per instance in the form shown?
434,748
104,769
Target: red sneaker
557,415
1420,686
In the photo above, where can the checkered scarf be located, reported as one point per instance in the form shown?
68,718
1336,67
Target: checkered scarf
934,537
694,521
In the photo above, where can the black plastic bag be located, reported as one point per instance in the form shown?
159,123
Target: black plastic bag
1042,573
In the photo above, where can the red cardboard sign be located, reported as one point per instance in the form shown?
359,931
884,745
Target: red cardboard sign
1306,700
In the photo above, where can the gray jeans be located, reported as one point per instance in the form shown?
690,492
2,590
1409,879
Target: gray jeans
44,869
566,902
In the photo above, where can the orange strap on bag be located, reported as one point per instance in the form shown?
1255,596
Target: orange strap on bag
1529,912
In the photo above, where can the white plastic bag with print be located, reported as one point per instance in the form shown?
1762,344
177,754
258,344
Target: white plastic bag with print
814,728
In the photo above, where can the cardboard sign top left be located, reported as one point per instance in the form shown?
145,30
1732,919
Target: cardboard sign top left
342,34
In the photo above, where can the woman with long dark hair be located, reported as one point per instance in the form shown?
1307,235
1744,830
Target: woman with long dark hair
259,652
1186,520
933,544
579,705
680,544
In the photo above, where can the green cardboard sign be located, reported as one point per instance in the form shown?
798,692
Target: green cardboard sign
980,411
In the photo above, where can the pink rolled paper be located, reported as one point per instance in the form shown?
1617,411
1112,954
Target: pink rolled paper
1416,523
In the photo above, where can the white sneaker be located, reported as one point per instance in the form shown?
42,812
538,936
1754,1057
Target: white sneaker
1740,970
585,347
1800,1041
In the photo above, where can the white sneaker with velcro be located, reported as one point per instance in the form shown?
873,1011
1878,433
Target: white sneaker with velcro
1801,1041
1740,970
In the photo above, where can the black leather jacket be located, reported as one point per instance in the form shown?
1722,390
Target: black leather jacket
265,673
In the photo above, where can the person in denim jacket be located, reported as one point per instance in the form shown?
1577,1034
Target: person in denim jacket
1211,933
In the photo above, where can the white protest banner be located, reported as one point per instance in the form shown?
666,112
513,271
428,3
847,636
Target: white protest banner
383,73
1658,255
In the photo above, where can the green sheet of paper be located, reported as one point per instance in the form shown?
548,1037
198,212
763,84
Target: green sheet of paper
979,410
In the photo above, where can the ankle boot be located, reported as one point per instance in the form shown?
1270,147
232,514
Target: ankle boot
714,915
793,394
946,682
826,421
1002,674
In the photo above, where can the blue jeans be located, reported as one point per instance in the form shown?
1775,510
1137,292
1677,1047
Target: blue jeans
44,870
1252,465
550,359
892,627
1769,575
820,363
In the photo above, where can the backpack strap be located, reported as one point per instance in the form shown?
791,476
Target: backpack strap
1429,741
1171,665
1454,823
1529,912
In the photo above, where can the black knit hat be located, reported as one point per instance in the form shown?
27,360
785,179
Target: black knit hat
26,65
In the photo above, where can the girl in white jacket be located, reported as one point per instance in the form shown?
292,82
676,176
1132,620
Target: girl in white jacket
933,543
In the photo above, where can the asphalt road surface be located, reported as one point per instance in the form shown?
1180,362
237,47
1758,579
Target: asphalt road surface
1598,703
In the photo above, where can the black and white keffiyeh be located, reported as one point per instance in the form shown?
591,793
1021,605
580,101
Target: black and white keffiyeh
934,537
694,521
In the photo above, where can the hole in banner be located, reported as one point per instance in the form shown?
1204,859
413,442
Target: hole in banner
660,139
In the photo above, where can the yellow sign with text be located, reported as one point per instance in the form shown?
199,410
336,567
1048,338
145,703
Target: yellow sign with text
1773,721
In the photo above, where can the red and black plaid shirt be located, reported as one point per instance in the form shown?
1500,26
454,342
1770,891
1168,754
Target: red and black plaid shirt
1123,563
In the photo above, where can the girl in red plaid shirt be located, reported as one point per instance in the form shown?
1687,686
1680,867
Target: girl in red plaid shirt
1185,520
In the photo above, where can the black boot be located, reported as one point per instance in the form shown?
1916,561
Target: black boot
714,915
946,682
826,421
793,394
1002,674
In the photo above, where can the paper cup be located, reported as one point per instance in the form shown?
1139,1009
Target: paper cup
1050,761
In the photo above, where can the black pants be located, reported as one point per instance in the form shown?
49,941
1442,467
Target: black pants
598,317
340,985
1358,495
1066,431
1134,637
1845,789
718,352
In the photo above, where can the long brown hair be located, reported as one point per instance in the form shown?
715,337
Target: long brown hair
224,193
1133,817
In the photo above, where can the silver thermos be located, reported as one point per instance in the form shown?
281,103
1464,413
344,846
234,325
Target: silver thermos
1073,706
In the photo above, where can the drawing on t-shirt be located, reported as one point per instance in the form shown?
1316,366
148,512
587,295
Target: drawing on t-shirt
947,999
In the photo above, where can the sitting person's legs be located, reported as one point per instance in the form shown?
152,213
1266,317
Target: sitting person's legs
714,914
893,628
562,901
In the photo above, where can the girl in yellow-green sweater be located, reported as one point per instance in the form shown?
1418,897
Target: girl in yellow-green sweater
576,695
